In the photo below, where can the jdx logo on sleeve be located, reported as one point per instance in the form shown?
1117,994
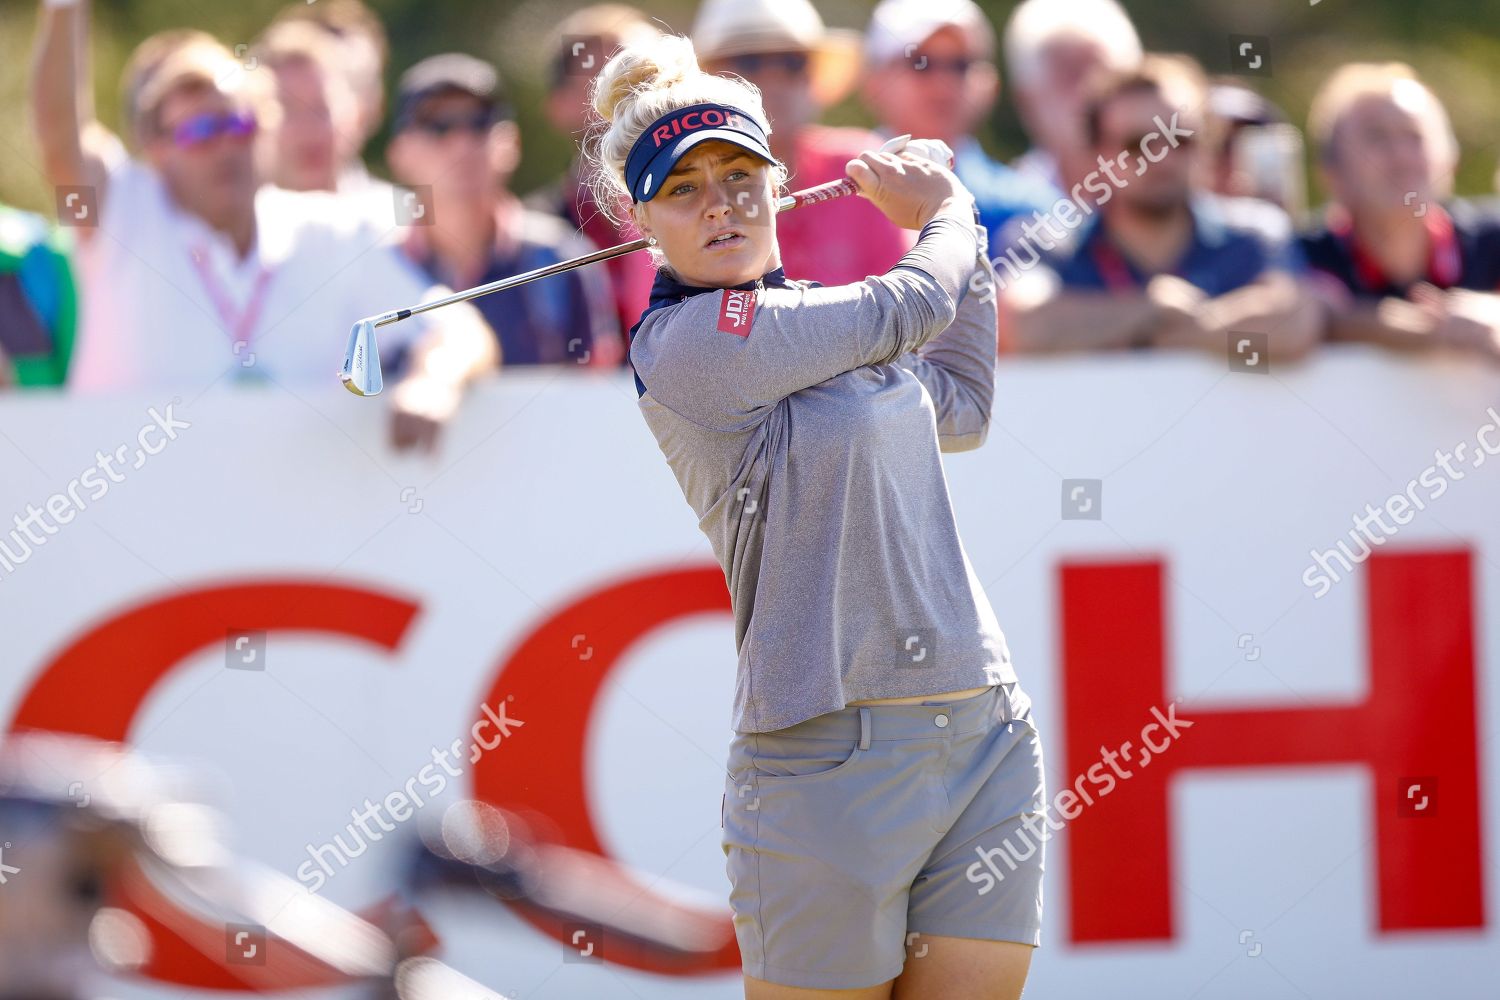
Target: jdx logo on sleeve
736,310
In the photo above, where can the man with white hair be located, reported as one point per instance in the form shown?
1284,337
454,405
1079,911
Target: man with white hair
1052,48
930,72
1400,262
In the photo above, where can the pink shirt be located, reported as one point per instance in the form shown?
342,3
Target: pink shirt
844,240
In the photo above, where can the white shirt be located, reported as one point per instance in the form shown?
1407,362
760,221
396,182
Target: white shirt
373,197
164,297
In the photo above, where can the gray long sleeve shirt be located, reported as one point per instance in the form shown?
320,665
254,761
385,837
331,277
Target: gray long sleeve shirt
804,425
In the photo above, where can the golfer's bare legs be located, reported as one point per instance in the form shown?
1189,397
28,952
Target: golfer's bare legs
759,989
964,969
950,969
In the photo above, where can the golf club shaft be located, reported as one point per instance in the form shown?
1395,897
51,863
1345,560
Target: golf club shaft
822,192
361,373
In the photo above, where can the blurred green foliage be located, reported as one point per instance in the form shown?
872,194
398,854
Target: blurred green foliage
1454,44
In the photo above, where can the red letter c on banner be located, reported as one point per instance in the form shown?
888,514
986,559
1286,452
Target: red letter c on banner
543,771
96,686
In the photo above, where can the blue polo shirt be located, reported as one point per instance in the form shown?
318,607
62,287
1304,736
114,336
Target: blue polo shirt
1234,242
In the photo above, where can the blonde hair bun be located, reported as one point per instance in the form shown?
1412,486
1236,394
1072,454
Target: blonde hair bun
641,83
662,64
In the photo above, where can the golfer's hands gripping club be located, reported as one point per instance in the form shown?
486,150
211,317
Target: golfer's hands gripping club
908,186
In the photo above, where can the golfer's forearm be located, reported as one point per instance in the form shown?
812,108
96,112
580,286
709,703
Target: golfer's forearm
958,365
946,247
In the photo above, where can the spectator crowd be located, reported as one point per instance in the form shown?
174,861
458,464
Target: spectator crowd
233,231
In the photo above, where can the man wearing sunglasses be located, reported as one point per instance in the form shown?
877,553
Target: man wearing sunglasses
803,68
1142,254
194,273
455,145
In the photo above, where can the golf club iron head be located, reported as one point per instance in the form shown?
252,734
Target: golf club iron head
361,374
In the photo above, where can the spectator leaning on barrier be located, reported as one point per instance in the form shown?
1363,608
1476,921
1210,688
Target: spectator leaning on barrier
801,68
929,72
1398,261
456,141
363,52
190,268
583,44
38,303
1163,261
1052,48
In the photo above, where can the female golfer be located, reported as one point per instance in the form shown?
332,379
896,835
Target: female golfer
883,750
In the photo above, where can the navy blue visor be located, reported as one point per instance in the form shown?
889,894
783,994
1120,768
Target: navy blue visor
668,139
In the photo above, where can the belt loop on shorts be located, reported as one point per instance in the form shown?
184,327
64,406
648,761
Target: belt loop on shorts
864,728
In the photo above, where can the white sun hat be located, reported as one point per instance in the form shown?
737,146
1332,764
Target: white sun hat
898,26
725,28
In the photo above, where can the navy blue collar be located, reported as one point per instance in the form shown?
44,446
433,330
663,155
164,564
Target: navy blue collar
668,291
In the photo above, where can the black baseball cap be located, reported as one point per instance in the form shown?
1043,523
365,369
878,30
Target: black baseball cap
450,72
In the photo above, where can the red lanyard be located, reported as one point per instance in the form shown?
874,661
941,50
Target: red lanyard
1445,264
239,324
1116,273
1112,267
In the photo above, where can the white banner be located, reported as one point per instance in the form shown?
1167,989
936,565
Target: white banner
254,580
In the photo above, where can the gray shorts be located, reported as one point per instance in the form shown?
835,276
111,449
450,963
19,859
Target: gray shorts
850,835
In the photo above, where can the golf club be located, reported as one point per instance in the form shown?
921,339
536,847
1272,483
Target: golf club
361,373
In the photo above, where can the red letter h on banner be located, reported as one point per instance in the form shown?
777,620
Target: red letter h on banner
1417,724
